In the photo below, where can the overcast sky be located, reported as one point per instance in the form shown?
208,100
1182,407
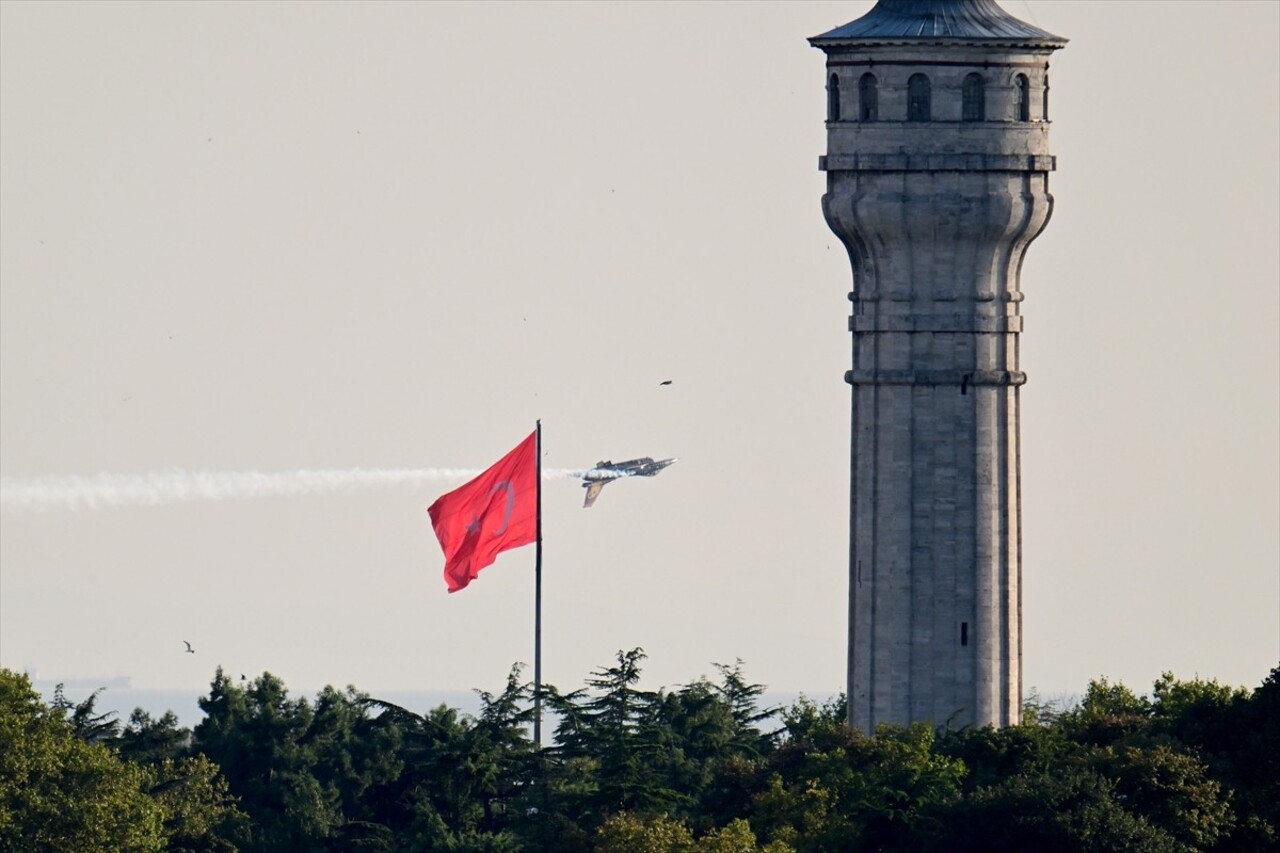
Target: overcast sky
278,237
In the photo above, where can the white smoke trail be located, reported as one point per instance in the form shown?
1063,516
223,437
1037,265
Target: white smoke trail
162,487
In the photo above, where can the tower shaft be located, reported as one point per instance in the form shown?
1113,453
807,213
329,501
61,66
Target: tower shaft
937,182
935,587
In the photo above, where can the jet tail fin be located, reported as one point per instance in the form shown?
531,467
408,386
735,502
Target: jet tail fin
593,491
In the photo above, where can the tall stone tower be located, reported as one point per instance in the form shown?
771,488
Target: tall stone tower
937,181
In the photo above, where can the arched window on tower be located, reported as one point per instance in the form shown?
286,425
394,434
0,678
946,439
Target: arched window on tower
918,98
973,98
868,99
1044,109
1024,98
833,98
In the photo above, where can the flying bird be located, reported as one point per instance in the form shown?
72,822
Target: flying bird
665,382
190,650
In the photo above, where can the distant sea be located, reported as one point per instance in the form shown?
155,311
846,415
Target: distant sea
119,697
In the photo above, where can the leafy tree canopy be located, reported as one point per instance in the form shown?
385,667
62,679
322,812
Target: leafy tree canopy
699,768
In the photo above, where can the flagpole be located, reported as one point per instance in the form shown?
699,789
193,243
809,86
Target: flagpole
537,602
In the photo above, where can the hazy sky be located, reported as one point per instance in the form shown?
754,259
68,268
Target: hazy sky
274,237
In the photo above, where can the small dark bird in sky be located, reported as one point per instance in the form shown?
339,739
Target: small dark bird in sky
242,678
665,382
190,650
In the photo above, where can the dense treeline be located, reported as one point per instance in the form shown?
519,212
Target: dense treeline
702,768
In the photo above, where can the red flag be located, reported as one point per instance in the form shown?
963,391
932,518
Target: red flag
495,511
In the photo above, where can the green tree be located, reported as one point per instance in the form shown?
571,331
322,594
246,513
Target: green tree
87,723
59,792
1246,752
1068,809
807,722
743,698
350,756
736,837
199,812
1195,712
716,745
992,754
147,740
626,832
255,735
834,788
696,730
1108,773
1107,714
1170,790
503,753
689,770
612,731
461,779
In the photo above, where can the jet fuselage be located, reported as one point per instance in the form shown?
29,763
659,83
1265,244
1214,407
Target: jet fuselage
594,479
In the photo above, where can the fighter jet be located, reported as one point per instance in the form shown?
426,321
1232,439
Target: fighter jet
594,479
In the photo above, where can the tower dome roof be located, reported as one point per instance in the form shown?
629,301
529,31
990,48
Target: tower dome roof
899,20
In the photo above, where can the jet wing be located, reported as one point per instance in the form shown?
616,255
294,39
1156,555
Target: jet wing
593,492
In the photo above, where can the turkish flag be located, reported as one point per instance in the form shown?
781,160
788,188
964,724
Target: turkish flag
495,511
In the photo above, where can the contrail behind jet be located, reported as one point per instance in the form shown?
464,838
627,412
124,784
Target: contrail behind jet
163,487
